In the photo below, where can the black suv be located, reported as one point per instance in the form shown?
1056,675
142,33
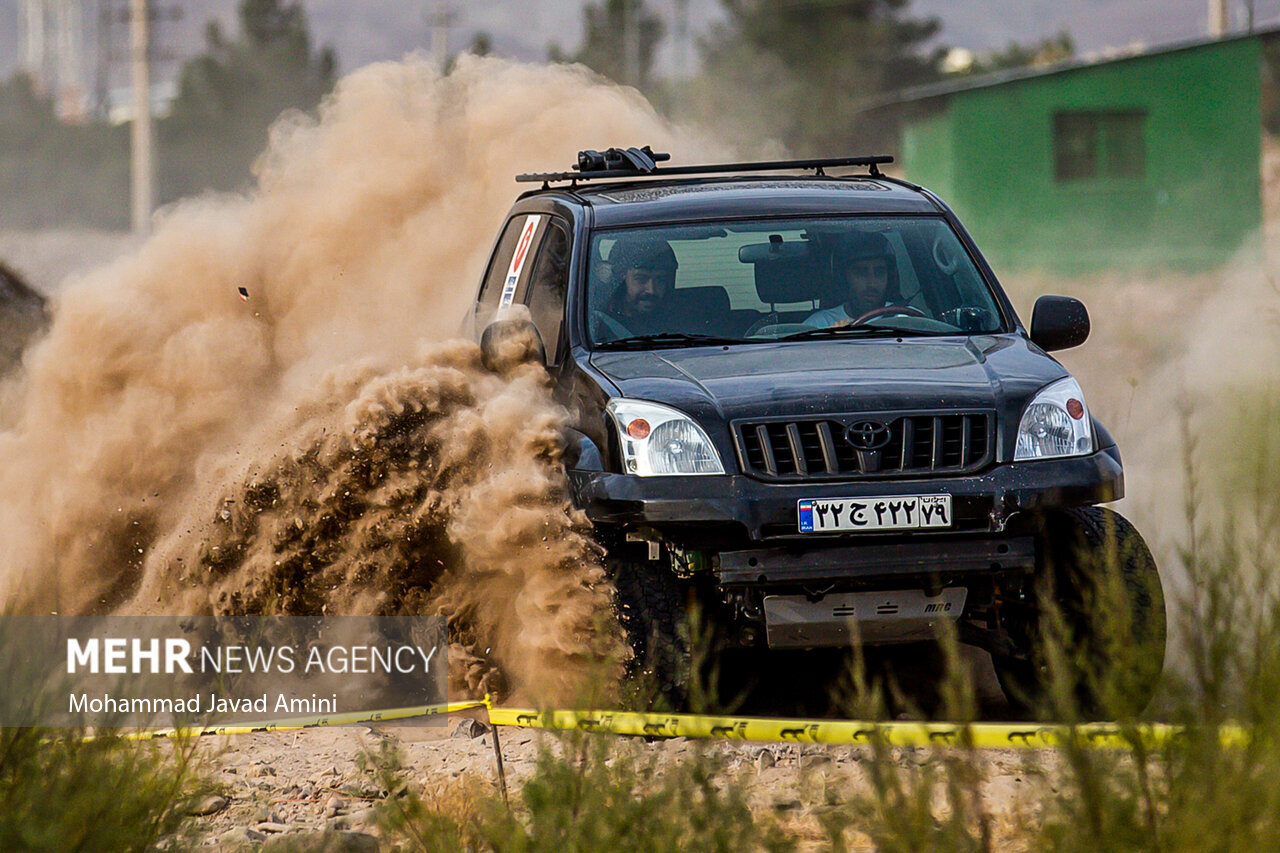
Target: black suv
803,403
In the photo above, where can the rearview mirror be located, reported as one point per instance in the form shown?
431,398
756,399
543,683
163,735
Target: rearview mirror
505,344
1059,322
774,250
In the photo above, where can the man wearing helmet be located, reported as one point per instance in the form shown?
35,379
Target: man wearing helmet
643,274
865,264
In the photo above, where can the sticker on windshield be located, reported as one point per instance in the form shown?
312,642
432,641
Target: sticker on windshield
518,259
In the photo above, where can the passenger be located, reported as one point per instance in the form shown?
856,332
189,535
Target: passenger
643,272
866,264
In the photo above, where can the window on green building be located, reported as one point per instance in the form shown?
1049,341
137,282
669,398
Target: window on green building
1099,144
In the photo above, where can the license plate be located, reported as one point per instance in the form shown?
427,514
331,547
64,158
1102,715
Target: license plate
900,512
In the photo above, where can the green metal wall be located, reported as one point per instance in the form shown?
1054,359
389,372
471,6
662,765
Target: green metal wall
927,154
990,154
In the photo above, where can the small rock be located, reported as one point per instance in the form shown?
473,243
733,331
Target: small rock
334,805
272,827
239,835
470,728
211,804
362,789
322,842
765,759
815,759
258,771
362,816
339,822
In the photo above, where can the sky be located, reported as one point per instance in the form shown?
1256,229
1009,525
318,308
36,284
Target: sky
364,31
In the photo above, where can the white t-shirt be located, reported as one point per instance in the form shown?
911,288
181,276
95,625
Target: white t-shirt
827,317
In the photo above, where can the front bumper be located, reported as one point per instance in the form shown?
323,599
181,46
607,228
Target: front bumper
701,506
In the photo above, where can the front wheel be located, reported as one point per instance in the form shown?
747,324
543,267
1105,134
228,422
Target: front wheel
651,604
1095,627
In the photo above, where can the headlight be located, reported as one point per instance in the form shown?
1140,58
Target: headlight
1055,423
657,440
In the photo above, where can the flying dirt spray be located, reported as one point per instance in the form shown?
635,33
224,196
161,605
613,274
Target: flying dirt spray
267,402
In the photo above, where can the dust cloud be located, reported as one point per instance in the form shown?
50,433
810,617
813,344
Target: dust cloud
330,443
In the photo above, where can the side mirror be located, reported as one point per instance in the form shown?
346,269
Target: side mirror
504,344
1059,322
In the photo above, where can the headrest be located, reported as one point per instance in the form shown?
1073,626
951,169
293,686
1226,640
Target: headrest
787,280
710,301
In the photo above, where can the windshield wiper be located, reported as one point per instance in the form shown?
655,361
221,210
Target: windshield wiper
866,329
677,338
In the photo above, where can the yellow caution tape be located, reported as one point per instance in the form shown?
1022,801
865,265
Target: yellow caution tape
981,735
381,716
702,726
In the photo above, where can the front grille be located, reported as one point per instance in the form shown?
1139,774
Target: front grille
882,445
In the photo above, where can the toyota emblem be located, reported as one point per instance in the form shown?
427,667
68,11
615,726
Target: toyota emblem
867,435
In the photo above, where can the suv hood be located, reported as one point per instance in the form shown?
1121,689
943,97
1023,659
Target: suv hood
822,377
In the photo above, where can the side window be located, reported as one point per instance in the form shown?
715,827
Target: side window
548,283
506,265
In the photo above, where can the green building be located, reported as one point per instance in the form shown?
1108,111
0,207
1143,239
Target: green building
1147,160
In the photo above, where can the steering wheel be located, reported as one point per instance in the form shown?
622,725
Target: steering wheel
773,331
770,319
615,328
887,310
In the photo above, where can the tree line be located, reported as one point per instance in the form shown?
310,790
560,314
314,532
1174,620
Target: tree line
795,72
58,174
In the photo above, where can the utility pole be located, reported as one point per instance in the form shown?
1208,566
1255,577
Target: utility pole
1218,19
441,20
142,170
631,41
682,39
35,28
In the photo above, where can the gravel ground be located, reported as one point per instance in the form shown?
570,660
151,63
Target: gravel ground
306,790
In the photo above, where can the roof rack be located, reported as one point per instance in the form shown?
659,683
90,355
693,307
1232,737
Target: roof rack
643,163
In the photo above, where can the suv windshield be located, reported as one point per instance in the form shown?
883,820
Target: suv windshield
775,279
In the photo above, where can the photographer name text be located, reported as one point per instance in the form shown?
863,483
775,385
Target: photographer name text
212,703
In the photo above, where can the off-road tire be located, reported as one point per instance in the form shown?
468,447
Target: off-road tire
1081,553
651,605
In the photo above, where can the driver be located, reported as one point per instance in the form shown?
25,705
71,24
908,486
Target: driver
866,263
643,270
